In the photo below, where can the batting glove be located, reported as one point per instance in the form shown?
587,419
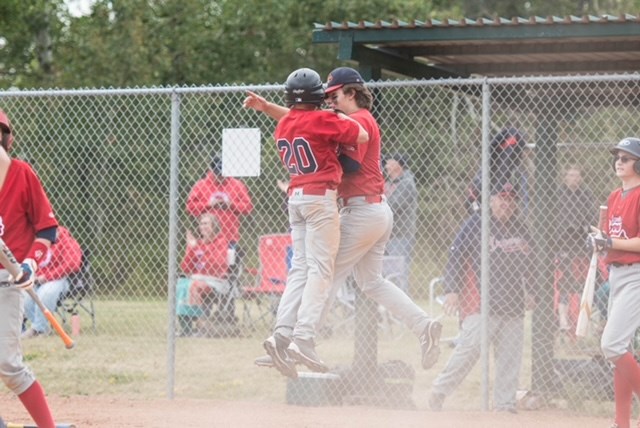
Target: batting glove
597,243
28,275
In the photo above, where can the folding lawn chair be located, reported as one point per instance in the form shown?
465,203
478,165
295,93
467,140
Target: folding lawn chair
80,294
261,301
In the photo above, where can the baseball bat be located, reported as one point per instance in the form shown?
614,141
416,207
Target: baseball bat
12,425
8,260
586,300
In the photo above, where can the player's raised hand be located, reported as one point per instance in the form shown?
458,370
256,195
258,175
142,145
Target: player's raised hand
255,102
28,275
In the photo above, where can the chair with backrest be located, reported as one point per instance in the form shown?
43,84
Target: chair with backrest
261,300
79,297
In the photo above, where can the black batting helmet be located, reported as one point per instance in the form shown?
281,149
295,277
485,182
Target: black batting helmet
303,86
628,145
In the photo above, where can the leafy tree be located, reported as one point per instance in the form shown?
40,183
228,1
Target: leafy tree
29,29
127,43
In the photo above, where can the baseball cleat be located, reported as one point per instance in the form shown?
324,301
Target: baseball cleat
430,344
264,361
304,352
276,347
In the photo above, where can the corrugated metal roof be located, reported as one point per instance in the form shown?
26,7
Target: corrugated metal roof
490,47
480,22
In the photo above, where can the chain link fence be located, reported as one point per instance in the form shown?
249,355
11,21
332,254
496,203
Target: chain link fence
120,165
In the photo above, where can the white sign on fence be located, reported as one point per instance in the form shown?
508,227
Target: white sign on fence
241,152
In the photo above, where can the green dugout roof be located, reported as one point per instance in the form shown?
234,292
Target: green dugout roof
489,47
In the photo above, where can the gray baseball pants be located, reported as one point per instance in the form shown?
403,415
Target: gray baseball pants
507,337
364,230
623,314
13,371
315,233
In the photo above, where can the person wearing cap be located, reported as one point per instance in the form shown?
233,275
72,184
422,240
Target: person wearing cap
366,220
28,227
402,196
509,247
228,199
620,244
506,153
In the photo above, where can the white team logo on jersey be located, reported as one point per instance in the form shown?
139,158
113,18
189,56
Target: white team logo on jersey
1,227
615,228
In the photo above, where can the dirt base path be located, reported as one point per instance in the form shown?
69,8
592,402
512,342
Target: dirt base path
114,412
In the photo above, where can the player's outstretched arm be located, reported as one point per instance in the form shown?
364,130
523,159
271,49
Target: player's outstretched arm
256,102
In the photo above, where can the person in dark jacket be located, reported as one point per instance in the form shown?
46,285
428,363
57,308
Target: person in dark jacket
509,244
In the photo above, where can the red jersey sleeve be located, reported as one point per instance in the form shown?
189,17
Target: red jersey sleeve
24,208
198,199
240,199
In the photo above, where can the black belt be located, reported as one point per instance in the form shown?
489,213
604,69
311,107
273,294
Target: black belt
616,264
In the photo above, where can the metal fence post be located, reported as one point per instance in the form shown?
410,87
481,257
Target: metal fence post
173,241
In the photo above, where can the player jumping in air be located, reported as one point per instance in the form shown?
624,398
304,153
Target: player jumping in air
365,217
307,140
28,227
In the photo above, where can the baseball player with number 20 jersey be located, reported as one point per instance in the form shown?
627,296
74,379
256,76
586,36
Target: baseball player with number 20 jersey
307,140
28,227
621,242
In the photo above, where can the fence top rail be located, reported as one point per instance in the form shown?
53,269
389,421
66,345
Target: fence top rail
135,91
271,87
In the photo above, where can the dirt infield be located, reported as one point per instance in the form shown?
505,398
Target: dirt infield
114,412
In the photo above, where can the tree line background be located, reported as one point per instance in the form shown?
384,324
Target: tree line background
128,43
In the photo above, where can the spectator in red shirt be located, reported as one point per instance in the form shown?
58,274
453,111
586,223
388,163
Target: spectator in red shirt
52,280
226,197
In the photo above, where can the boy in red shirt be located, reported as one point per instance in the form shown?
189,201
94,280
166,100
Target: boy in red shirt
621,242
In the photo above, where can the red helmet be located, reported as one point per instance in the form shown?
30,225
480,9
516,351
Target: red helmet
7,134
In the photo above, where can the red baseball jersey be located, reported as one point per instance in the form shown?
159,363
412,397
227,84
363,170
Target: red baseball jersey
368,180
24,208
623,215
307,142
239,202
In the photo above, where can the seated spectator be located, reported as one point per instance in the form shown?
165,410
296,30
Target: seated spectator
52,281
229,200
206,265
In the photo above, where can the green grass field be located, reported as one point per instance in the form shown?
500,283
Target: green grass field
128,355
